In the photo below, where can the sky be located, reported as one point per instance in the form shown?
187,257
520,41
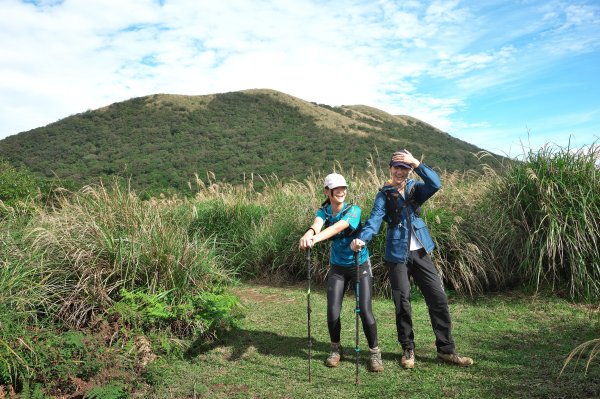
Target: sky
504,75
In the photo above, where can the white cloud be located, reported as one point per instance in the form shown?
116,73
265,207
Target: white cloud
461,65
424,59
444,11
571,28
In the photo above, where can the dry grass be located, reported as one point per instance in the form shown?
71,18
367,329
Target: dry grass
103,239
591,349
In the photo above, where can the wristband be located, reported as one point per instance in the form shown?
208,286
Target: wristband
313,230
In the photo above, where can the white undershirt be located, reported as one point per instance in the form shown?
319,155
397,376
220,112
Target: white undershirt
414,243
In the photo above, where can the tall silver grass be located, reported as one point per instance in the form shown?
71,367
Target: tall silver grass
102,239
553,200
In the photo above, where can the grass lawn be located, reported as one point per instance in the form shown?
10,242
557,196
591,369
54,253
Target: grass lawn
518,343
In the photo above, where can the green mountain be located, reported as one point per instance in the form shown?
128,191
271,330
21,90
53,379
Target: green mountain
161,141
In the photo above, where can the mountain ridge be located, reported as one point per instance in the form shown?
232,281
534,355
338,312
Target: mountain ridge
161,140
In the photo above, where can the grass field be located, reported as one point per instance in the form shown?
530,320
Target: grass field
518,342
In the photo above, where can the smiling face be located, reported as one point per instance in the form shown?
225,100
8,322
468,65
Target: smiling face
337,195
399,174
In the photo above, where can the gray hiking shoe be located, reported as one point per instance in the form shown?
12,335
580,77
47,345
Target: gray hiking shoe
375,362
335,356
454,358
408,359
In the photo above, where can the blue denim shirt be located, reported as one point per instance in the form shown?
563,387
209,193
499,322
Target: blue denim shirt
397,240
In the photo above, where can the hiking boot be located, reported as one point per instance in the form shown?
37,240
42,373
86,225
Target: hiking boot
375,362
408,359
454,358
333,360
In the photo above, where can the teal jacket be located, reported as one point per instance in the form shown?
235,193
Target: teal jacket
397,240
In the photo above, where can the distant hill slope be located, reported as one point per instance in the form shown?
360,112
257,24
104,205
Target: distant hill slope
161,140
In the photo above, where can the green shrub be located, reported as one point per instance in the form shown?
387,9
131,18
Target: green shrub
109,391
60,356
18,188
35,392
205,313
34,357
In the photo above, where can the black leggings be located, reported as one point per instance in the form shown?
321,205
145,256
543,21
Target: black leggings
337,282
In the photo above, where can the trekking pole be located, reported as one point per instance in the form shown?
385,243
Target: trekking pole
357,311
308,311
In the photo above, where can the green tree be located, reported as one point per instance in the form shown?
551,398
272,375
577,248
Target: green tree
16,185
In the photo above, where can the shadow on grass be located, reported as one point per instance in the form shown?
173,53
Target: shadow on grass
266,343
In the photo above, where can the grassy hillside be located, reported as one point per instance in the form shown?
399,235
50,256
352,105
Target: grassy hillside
161,141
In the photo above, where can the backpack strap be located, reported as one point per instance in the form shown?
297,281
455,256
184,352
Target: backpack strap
348,232
392,210
412,201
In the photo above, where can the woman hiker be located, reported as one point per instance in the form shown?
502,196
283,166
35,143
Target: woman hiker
407,248
341,221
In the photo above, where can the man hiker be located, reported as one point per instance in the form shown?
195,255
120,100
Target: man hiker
407,248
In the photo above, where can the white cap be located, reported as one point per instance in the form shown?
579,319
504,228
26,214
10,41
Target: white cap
334,180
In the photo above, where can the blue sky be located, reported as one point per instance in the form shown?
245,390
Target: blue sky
498,74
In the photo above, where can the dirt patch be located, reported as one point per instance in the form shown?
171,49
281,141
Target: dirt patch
231,390
81,387
7,392
253,295
260,294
